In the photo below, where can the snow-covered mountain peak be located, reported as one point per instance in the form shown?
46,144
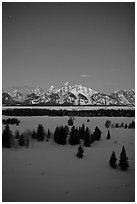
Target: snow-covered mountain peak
70,94
37,91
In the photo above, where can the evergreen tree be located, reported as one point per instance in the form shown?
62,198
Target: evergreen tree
80,152
60,135
34,135
108,135
17,134
82,132
125,125
113,160
56,134
123,162
97,133
7,137
77,136
74,136
108,123
40,133
48,135
87,138
122,124
22,140
67,129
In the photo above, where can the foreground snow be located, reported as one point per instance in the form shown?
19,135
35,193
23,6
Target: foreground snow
50,172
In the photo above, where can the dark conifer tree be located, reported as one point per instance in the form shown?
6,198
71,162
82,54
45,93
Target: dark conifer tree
113,160
87,138
22,140
7,137
77,136
123,162
40,133
17,134
56,134
48,135
74,136
34,135
67,129
108,123
82,132
97,133
125,126
108,135
60,135
80,152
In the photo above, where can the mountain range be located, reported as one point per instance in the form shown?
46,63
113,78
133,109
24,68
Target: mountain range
69,95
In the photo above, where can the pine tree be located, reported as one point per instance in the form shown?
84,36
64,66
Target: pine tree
34,134
60,135
108,135
72,136
48,135
80,152
82,132
77,133
40,133
97,133
17,134
108,123
56,134
113,160
87,137
125,125
123,162
22,140
7,137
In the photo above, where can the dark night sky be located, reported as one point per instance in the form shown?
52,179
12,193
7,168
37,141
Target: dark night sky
48,44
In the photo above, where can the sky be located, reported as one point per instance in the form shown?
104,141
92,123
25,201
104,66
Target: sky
46,44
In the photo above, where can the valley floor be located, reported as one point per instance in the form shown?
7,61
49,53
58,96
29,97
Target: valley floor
50,172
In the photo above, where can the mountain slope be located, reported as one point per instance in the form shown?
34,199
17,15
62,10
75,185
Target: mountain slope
70,94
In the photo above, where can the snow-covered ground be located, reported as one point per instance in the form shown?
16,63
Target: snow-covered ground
50,172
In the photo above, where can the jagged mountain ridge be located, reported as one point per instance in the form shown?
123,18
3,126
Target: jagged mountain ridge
69,95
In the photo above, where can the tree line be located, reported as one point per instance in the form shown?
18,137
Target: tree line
62,135
78,113
120,125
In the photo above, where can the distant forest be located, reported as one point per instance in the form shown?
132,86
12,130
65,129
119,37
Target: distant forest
78,113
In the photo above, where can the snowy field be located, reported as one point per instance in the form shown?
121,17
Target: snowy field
47,171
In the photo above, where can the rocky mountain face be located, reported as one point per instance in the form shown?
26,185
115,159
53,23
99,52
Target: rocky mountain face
69,95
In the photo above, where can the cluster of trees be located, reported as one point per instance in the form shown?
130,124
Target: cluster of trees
76,135
62,135
23,139
120,125
123,162
79,113
11,121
